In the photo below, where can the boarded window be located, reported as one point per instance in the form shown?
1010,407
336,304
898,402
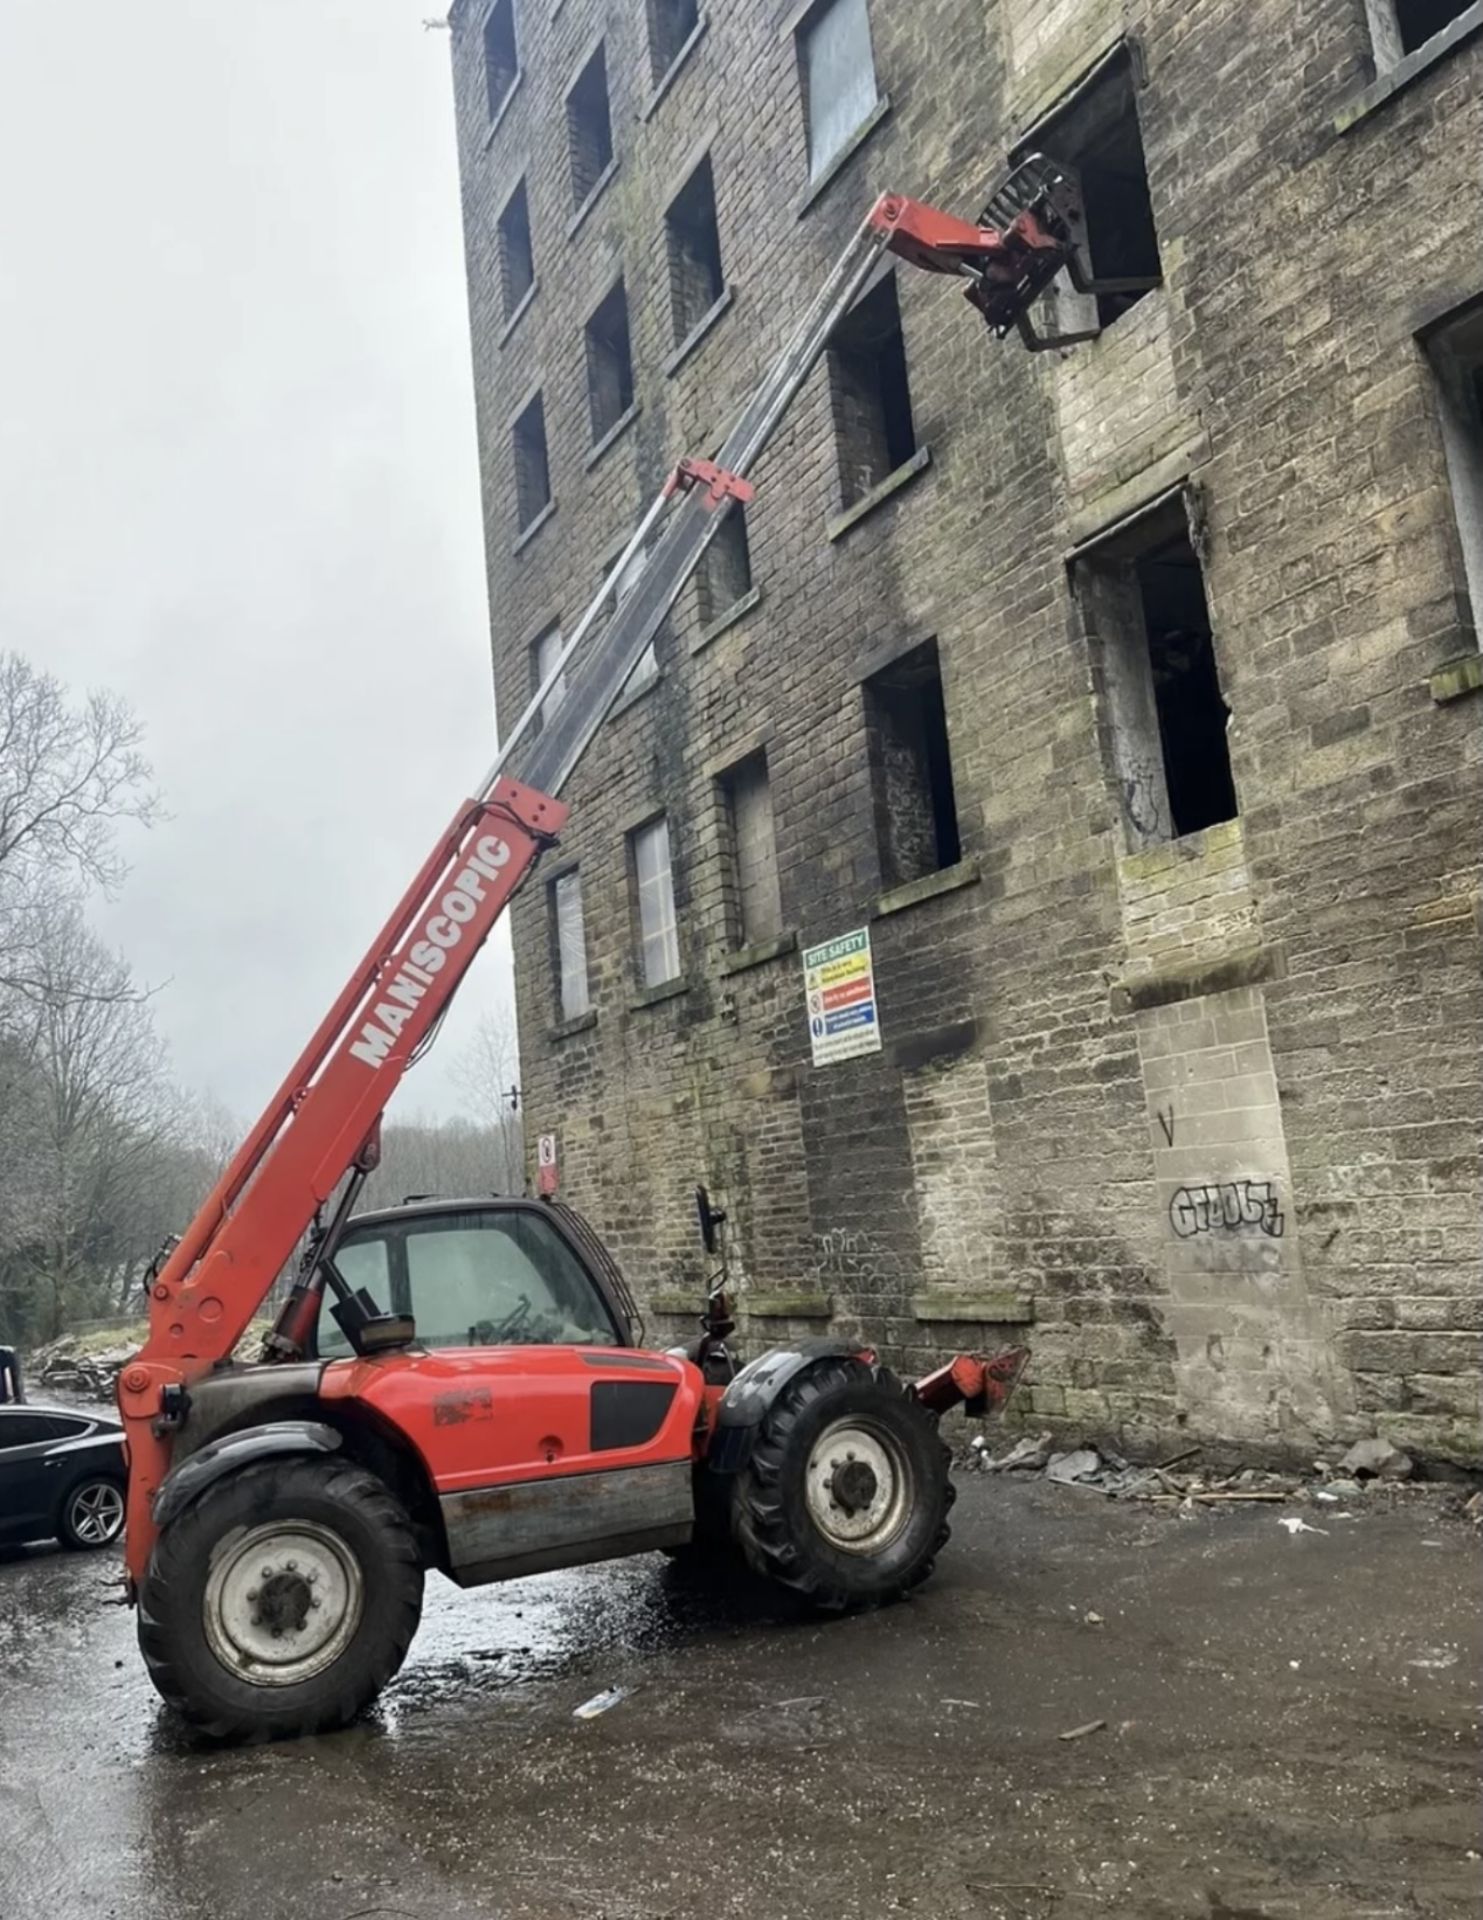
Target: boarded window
693,244
654,904
646,667
870,394
755,908
671,23
1455,351
1143,598
589,128
839,92
543,657
501,56
517,270
609,363
724,575
916,812
532,471
569,944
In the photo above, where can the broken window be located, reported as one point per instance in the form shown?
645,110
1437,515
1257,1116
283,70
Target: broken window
569,945
1143,597
654,904
589,128
755,907
517,270
1455,351
838,72
646,667
671,23
532,472
693,242
1099,135
1399,27
869,393
501,57
609,363
916,814
724,575
544,654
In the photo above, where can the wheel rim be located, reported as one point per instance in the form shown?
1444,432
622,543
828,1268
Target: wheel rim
858,1486
282,1602
96,1513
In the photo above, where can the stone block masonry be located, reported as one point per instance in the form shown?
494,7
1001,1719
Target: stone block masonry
1197,1112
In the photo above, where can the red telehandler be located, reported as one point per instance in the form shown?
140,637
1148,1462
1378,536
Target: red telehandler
457,1384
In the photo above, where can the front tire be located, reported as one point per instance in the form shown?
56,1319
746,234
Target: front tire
92,1514
282,1600
846,1495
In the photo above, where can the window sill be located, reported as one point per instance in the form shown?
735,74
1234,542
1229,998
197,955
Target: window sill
672,71
598,186
846,154
745,958
840,525
519,314
786,1306
738,610
967,1307
527,534
946,880
615,432
579,1023
1397,78
504,107
1457,678
698,332
655,996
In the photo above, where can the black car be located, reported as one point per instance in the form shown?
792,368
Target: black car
62,1476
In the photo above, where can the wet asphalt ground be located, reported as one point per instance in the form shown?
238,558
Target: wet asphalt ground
1292,1729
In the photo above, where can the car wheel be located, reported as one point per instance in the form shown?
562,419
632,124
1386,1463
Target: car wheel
92,1514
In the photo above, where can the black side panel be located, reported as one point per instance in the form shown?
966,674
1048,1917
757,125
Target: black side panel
627,1413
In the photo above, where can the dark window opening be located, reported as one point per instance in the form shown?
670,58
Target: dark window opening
870,394
671,23
532,470
754,904
916,811
694,245
725,571
1455,351
1418,21
1099,135
517,269
501,56
609,363
589,127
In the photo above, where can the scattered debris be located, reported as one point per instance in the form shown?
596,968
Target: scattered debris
1474,1510
600,1703
1027,1453
1295,1524
1093,1619
1084,1464
1080,1733
1376,1459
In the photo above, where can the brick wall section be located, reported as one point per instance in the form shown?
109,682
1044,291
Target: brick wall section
1276,370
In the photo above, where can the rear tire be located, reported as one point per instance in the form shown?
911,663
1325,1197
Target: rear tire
282,1600
846,1495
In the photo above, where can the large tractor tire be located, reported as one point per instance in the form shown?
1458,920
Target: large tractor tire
846,1495
282,1600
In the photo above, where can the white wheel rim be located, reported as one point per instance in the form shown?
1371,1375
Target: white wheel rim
858,1486
282,1602
96,1513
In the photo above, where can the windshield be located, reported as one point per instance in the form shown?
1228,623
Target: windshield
481,1278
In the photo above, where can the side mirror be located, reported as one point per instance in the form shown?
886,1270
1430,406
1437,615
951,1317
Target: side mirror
711,1220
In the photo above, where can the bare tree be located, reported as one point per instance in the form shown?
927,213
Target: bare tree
487,1074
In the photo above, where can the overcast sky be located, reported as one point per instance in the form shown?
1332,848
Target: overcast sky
238,479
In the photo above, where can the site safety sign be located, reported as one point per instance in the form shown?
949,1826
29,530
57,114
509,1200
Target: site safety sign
839,988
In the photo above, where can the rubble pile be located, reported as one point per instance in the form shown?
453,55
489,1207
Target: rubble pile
65,1367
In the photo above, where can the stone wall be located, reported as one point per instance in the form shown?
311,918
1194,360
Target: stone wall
1205,1114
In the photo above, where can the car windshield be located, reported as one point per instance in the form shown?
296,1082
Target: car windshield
478,1278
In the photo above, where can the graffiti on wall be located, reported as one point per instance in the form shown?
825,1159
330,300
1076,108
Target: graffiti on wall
1226,1208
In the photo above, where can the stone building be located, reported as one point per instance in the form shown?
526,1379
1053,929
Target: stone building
1125,695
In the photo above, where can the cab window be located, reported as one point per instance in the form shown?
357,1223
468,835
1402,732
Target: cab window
474,1279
